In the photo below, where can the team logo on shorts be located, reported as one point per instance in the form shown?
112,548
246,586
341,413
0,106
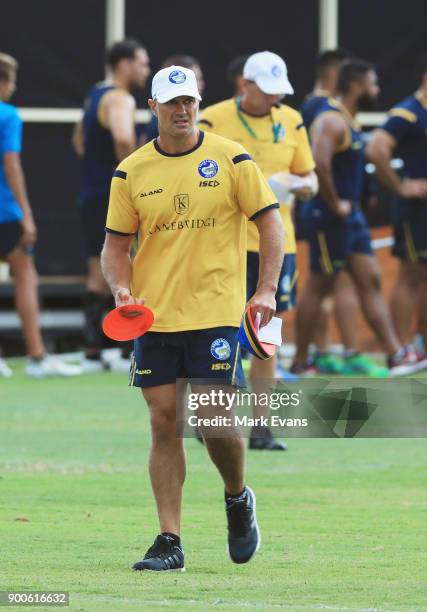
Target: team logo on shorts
208,168
220,349
276,71
177,77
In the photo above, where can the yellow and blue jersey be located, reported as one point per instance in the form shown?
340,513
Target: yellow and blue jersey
348,162
277,142
10,142
333,240
407,124
313,105
99,158
190,211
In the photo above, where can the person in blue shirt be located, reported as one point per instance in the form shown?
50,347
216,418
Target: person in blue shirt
188,61
337,230
105,136
404,135
18,232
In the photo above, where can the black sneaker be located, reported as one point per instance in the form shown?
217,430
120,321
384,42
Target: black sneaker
261,438
164,556
244,538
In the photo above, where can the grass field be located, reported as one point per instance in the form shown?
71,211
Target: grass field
343,521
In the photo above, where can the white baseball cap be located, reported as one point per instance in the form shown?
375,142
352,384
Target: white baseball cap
269,72
172,82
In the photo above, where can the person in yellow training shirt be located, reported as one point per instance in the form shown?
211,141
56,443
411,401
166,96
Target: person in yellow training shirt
187,194
275,136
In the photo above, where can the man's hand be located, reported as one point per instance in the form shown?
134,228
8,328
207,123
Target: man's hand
123,297
304,187
342,208
413,188
263,302
29,231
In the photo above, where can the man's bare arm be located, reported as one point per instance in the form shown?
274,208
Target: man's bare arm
380,151
120,119
117,268
270,228
77,139
310,187
16,181
327,136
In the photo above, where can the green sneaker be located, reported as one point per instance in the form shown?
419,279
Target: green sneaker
327,363
361,364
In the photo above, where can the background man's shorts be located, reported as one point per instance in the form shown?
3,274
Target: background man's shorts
333,240
210,354
10,235
93,215
287,288
410,231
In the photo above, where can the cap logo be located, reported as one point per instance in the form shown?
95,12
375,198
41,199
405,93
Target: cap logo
276,71
177,77
208,168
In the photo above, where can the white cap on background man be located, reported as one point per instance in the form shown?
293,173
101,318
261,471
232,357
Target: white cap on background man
269,72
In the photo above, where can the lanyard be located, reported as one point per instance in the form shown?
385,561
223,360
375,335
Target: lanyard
276,127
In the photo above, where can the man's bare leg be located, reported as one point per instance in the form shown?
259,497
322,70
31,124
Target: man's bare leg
167,457
26,299
317,287
262,371
346,310
422,305
366,274
404,299
96,296
227,449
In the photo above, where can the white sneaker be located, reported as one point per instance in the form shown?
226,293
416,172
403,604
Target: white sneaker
121,364
51,366
5,371
91,366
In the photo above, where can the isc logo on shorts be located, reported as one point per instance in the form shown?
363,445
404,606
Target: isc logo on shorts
220,366
220,349
142,372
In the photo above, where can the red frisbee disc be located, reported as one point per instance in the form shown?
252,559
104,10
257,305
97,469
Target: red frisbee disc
118,326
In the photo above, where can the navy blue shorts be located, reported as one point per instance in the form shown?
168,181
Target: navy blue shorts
333,240
160,358
410,231
287,288
93,215
10,235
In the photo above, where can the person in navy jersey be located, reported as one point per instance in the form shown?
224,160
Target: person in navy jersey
188,61
18,233
337,229
345,304
104,137
404,135
328,65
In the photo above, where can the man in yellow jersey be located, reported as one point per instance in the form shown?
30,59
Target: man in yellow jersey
188,195
275,136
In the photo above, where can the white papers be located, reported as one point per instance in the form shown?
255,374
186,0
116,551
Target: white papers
272,332
279,183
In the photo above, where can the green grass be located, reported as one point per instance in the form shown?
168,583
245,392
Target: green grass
343,521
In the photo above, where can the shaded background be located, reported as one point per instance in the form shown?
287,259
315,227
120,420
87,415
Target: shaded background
60,48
